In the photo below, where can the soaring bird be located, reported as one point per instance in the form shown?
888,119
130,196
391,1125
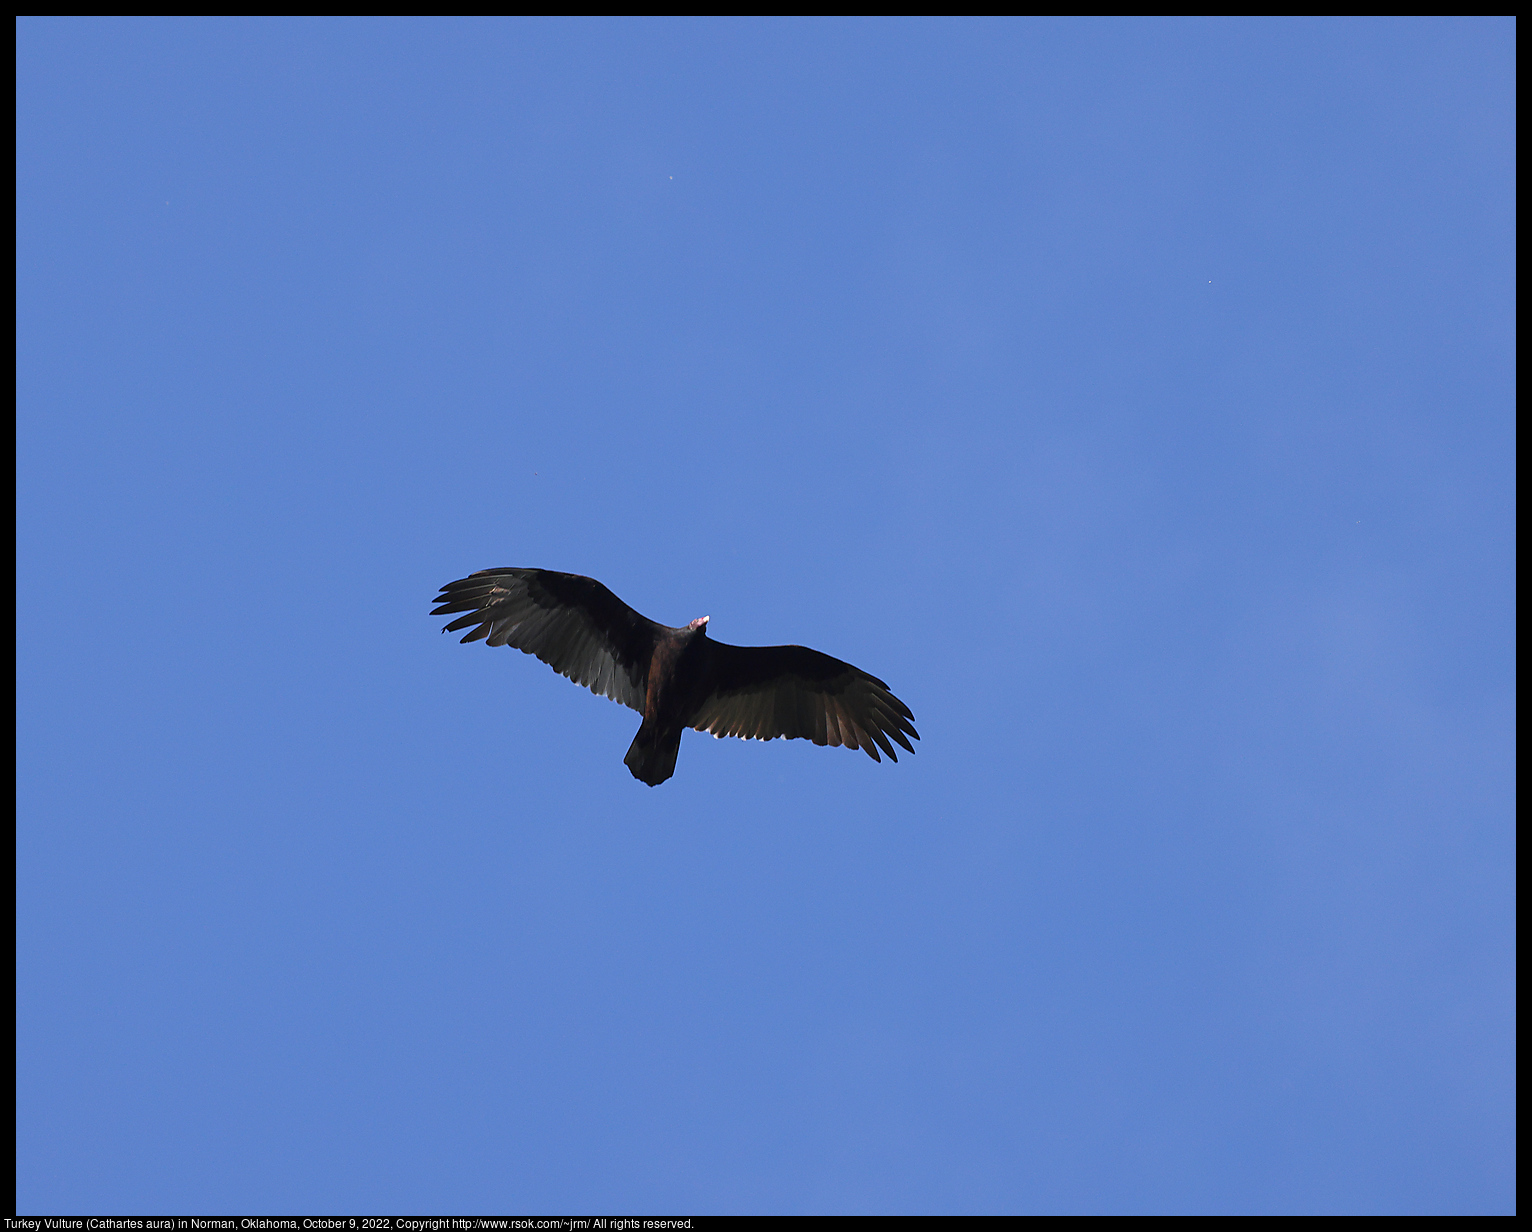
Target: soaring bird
676,678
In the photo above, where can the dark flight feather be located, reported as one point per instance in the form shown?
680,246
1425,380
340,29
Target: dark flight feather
766,692
573,624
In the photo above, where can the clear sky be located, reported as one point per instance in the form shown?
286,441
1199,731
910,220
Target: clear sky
1136,398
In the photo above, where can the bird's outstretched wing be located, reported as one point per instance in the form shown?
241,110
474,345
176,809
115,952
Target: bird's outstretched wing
574,624
762,692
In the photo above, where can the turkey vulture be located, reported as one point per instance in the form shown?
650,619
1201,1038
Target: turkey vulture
675,678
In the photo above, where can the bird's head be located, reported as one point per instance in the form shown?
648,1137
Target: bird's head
699,625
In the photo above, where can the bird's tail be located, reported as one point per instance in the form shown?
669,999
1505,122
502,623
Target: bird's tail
652,755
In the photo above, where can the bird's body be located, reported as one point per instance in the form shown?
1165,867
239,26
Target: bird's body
676,677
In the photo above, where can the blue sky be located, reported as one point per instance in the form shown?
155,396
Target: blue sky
1136,398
